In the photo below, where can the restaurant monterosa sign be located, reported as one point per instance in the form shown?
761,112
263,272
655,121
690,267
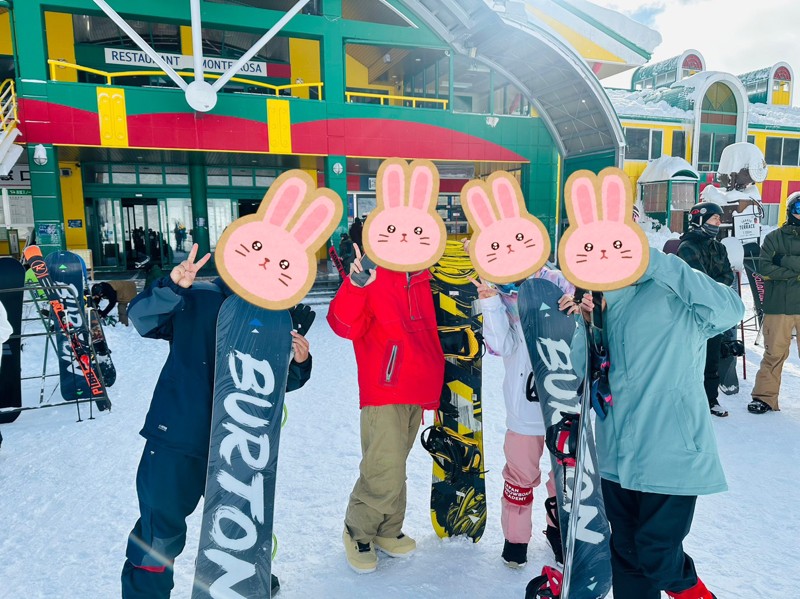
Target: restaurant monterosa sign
210,64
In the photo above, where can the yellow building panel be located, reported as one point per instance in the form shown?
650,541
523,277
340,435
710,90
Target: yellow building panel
73,205
304,57
61,42
113,117
279,125
6,48
186,41
582,44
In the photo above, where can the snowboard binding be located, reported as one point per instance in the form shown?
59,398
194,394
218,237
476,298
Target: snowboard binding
455,454
461,343
545,586
601,398
562,438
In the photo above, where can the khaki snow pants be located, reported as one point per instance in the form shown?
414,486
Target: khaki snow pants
377,505
777,330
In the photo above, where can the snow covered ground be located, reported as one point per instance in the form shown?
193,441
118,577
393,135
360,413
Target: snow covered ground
67,496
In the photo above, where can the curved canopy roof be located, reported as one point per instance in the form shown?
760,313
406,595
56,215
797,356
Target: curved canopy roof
505,37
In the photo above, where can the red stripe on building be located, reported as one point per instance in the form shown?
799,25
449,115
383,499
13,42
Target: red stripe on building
43,122
197,131
381,138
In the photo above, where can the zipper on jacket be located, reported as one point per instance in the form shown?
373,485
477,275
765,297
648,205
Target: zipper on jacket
390,365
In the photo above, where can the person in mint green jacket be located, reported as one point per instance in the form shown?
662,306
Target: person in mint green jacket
656,447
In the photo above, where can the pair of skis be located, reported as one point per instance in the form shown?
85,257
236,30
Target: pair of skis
79,347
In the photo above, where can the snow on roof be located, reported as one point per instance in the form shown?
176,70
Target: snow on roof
642,36
666,168
776,116
647,103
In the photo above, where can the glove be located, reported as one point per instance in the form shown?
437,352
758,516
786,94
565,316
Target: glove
302,318
776,259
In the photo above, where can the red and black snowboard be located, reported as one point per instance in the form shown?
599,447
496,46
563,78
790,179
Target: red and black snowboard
252,366
12,281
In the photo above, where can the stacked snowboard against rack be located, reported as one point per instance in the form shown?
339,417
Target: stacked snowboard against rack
55,287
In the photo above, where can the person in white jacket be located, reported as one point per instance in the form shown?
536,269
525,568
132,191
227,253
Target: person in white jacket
524,440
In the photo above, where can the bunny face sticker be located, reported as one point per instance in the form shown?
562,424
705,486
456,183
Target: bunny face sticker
508,243
268,257
405,233
603,249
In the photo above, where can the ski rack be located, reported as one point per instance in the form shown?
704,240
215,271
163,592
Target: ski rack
83,329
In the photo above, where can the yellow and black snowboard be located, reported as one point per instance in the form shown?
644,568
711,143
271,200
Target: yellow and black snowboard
455,441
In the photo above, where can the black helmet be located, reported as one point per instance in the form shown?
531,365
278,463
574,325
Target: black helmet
97,290
701,212
793,206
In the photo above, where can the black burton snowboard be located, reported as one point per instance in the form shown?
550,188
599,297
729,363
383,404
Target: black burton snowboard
12,279
558,348
252,366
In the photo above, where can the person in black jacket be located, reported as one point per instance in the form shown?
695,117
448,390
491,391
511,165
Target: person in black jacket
172,472
700,249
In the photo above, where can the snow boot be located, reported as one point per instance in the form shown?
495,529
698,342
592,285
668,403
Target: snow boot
698,591
758,407
718,410
361,556
553,533
399,546
515,555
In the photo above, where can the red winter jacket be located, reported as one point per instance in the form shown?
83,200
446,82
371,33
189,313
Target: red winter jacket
392,325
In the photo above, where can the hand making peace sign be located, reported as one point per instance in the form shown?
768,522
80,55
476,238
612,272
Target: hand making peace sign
184,273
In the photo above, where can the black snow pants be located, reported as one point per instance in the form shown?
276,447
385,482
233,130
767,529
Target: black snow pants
647,532
169,485
711,371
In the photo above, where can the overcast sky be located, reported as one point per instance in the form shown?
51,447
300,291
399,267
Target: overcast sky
734,36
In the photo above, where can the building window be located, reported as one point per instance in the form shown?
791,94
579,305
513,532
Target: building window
790,152
679,144
643,144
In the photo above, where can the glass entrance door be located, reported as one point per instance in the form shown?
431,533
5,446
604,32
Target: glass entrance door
107,247
144,239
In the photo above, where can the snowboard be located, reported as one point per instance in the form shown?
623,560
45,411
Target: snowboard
455,441
557,344
70,334
66,269
12,280
100,345
752,252
728,377
252,366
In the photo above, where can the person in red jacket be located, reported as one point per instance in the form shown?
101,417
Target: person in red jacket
391,321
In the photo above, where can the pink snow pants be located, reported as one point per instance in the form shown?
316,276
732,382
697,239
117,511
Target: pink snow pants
521,475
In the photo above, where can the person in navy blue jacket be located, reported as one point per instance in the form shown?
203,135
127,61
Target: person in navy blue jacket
172,472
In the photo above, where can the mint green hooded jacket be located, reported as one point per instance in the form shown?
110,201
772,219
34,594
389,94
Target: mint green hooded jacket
658,436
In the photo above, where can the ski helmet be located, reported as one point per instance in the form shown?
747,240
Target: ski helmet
701,212
793,207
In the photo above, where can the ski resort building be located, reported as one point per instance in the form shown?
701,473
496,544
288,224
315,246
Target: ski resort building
678,108
127,154
132,150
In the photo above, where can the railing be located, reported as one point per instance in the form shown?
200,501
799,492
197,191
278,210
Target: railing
109,76
412,99
8,106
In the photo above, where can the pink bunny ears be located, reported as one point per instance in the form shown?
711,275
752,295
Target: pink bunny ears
405,232
508,243
603,249
268,258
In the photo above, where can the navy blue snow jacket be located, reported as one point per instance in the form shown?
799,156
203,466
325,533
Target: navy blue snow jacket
180,411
